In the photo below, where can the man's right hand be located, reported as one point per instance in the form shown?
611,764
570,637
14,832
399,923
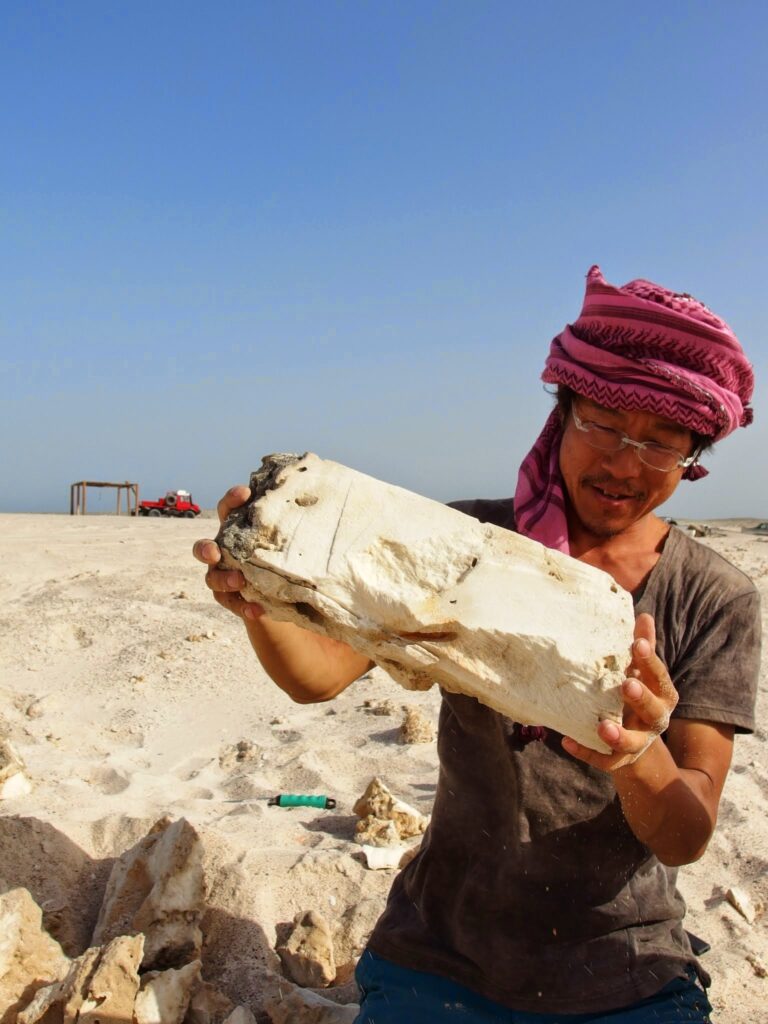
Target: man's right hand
225,583
308,666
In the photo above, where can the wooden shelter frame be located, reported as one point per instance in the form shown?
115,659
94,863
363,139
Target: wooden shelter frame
78,495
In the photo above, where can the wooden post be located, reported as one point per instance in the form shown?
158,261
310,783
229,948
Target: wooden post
78,496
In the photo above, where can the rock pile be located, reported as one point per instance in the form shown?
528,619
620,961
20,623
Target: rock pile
144,964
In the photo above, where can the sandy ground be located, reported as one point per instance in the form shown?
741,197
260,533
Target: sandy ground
127,691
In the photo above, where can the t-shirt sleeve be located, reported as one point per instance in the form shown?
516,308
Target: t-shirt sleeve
717,675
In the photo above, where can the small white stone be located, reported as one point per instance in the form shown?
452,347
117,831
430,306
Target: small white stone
380,858
15,786
741,901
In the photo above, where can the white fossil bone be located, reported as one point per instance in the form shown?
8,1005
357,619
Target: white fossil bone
433,595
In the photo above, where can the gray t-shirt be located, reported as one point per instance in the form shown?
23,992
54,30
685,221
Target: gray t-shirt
530,887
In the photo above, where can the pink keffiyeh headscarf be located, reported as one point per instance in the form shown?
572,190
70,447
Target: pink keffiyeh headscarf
637,347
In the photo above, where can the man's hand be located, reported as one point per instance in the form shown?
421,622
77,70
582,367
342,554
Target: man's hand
308,666
226,583
649,699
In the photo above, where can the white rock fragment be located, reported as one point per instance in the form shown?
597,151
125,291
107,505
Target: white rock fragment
158,888
380,858
13,780
434,596
740,900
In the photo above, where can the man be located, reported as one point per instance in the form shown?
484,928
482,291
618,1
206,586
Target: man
544,889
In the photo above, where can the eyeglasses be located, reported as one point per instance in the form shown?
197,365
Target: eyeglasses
657,456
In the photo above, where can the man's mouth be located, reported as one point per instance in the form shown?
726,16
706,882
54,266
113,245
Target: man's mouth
611,493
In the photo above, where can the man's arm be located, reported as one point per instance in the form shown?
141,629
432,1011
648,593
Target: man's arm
669,792
309,667
670,795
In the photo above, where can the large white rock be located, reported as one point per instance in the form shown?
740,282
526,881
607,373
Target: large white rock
158,888
432,595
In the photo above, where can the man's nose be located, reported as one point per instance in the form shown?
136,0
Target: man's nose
624,462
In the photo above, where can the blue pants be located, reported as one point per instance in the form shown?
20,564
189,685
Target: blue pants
397,995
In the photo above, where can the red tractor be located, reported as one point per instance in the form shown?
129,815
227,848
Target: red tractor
175,503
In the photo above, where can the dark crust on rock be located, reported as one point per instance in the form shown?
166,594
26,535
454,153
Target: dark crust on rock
236,533
265,478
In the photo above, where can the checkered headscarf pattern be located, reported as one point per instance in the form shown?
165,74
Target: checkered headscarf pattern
645,347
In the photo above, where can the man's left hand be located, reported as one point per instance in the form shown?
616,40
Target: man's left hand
649,700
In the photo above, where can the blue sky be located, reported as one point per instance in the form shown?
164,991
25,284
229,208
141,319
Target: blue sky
235,228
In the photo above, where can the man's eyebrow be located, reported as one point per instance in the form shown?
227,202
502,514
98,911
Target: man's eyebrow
672,428
658,424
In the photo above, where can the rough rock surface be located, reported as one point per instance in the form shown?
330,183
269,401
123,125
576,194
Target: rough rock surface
432,595
100,987
370,831
165,995
158,888
115,981
307,955
29,957
294,1005
209,1006
384,818
416,727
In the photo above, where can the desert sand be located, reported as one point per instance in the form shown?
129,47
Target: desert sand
131,695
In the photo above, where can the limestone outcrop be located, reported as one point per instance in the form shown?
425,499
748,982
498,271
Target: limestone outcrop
433,595
157,888
158,882
29,957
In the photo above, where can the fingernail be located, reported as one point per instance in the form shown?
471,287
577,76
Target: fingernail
632,689
610,732
233,580
642,648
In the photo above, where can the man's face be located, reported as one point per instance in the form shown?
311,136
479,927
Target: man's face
611,491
